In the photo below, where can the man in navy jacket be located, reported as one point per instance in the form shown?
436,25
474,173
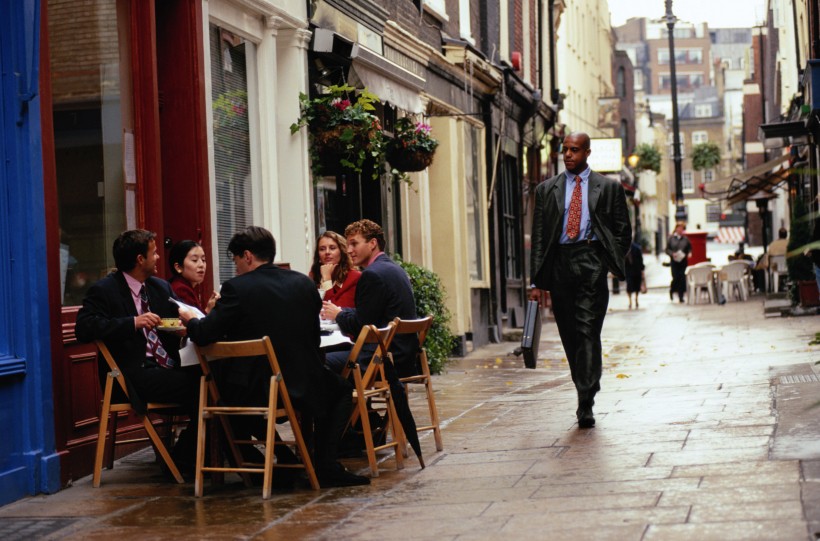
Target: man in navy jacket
112,312
383,293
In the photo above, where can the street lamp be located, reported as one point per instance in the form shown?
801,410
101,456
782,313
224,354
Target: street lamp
633,160
680,209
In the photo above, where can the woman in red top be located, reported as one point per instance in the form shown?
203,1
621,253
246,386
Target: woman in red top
187,261
333,271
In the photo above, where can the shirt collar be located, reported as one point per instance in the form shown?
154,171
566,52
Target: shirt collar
133,284
584,175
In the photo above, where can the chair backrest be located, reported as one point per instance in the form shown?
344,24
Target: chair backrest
114,369
700,275
777,263
261,347
419,327
735,271
370,334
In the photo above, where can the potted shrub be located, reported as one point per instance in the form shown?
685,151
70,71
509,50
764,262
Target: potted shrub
801,273
412,147
345,133
429,295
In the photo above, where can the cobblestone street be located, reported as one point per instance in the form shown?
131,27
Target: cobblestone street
703,432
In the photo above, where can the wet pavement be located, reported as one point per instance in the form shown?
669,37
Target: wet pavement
705,429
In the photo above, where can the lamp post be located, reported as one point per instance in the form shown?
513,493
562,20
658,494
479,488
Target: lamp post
633,160
680,209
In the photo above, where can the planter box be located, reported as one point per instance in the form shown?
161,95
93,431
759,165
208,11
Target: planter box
808,293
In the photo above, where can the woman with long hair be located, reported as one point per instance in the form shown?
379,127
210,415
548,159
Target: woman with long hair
332,270
188,265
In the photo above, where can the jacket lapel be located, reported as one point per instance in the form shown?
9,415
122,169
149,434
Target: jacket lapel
125,295
594,192
560,192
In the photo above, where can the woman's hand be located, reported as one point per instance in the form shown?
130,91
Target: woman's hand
326,271
212,301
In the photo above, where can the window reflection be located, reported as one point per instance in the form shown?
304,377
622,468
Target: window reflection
92,108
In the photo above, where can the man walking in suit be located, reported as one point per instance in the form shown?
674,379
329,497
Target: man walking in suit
265,300
580,231
123,310
383,293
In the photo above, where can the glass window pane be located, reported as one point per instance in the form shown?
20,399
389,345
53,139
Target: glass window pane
474,213
232,156
92,107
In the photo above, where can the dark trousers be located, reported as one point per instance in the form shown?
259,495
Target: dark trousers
678,279
579,301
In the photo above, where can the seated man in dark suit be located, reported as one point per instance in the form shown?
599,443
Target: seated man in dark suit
265,300
123,310
383,293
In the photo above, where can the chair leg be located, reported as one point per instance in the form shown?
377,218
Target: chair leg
104,416
398,433
152,433
199,478
267,476
361,406
431,403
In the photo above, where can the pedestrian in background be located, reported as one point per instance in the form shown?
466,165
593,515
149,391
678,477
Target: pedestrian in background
635,284
580,231
678,248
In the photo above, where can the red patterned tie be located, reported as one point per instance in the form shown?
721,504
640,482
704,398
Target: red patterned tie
574,218
153,346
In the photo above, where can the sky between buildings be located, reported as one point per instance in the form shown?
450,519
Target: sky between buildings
717,13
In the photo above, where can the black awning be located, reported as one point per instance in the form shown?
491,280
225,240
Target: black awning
775,130
765,178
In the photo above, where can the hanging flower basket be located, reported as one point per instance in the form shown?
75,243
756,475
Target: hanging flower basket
344,135
412,149
409,161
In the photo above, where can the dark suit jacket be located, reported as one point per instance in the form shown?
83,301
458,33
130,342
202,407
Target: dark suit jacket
108,314
281,304
610,223
383,293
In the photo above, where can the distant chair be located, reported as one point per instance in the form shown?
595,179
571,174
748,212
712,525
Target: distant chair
698,279
734,280
777,268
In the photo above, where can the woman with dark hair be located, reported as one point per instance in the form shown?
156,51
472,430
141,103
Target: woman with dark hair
187,262
333,271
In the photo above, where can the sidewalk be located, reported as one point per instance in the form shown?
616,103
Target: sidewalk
703,432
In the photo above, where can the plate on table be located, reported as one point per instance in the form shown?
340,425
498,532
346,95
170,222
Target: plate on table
170,324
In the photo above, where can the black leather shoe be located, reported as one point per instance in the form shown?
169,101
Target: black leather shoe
585,418
338,476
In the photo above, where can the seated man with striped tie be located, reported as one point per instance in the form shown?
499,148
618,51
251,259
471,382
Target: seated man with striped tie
123,310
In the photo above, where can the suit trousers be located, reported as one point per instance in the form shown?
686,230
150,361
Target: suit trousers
579,301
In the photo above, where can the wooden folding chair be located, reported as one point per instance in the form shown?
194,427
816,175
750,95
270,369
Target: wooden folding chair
420,327
372,386
211,406
109,408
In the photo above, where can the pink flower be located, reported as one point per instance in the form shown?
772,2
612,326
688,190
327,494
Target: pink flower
340,104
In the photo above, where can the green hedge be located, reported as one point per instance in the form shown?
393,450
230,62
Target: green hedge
430,295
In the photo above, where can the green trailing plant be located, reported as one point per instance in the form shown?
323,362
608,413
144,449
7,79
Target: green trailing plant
800,266
649,158
705,156
343,131
430,295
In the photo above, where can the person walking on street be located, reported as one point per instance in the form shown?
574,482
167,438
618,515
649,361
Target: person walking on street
635,283
678,248
580,231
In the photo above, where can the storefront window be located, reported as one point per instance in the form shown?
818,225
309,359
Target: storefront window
93,136
472,169
231,133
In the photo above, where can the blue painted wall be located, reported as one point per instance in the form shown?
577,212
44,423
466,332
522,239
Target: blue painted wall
28,462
